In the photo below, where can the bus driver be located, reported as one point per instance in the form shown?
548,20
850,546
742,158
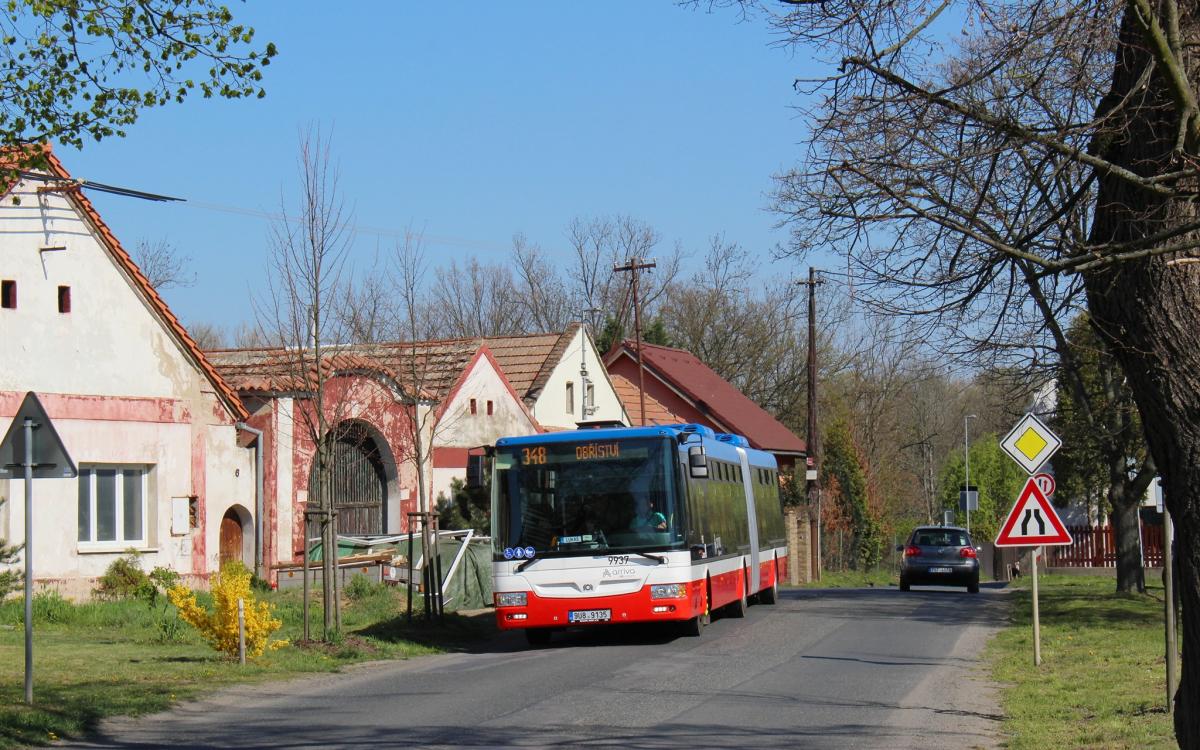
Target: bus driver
648,518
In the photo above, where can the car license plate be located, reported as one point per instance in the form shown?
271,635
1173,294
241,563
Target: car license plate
940,570
589,615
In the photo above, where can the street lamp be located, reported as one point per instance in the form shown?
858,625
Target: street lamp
967,468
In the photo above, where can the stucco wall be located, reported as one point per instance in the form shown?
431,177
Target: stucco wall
458,429
119,389
550,408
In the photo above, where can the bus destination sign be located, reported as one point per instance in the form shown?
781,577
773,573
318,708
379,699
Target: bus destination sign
597,451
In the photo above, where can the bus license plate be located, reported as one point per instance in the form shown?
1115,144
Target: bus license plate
589,615
940,570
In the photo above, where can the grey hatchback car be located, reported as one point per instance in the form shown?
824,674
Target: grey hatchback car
940,556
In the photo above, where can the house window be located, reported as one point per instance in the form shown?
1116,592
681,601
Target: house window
64,299
589,396
8,294
489,408
474,407
570,397
112,504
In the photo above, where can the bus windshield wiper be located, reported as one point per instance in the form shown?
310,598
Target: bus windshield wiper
656,558
527,563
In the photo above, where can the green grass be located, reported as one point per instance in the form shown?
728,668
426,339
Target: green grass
853,579
1102,679
124,658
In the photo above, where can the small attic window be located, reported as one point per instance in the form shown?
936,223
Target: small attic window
8,294
64,299
474,407
570,397
489,408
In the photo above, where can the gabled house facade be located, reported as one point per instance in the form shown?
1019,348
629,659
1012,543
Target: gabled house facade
560,377
163,466
679,386
397,417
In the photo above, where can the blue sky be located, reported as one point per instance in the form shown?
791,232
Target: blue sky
469,122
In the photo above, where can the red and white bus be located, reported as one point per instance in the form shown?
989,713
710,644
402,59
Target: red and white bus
639,524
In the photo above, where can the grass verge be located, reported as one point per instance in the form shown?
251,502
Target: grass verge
126,658
1102,679
854,579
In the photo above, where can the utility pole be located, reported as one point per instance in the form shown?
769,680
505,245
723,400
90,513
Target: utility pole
967,468
811,441
635,266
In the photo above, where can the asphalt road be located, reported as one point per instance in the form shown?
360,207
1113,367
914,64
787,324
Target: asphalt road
830,668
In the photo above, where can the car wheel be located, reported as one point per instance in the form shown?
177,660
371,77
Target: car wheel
903,583
973,588
537,636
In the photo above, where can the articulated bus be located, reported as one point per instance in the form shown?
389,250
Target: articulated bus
640,524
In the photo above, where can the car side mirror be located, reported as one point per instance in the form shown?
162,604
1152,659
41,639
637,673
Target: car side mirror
697,463
899,547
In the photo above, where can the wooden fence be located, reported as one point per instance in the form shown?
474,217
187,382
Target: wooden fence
1097,548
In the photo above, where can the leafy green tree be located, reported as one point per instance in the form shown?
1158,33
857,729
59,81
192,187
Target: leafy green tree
613,331
844,475
9,578
72,70
467,507
1104,461
998,478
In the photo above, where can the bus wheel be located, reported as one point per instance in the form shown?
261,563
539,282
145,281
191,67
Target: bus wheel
738,608
537,636
770,595
694,627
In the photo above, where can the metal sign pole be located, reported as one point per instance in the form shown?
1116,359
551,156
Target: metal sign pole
28,427
1037,629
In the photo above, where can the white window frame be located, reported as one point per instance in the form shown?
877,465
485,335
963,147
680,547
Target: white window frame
88,471
570,397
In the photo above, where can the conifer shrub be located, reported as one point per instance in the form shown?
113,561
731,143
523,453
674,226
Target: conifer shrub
220,627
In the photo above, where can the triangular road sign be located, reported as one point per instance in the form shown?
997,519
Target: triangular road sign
50,457
1032,521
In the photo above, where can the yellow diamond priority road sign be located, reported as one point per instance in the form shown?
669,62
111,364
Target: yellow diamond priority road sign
1031,443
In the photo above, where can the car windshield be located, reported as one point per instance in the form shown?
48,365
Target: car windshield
940,538
586,498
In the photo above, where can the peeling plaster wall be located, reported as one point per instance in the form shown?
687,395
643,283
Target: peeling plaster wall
550,408
359,398
119,389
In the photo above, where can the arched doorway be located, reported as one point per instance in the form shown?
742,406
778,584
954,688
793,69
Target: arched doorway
235,536
357,480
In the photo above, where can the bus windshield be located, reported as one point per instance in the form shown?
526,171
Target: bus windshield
586,498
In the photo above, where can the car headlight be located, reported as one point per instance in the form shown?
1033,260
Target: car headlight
511,599
668,591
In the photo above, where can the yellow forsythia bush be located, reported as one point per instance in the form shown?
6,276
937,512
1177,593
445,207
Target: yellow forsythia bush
220,627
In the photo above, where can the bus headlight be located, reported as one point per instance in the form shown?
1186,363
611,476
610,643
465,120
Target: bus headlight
668,591
511,599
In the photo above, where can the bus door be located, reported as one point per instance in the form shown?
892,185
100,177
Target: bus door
752,519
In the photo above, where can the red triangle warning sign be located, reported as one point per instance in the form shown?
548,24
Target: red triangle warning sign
1032,521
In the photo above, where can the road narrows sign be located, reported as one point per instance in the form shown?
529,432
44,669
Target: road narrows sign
1032,521
1031,443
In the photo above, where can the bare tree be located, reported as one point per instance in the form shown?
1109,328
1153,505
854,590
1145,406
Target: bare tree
162,264
476,300
308,251
977,179
208,335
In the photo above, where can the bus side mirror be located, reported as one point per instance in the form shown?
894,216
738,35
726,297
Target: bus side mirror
697,464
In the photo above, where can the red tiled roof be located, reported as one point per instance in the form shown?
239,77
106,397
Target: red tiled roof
432,366
712,394
656,413
75,194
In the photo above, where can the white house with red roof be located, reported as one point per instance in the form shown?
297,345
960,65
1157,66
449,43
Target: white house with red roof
163,466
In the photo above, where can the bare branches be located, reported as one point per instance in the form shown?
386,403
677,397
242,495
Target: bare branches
162,264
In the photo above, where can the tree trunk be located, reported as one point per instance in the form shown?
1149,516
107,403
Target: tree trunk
1147,310
1130,576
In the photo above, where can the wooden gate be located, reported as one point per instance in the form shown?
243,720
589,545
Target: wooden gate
231,537
357,481
1096,547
